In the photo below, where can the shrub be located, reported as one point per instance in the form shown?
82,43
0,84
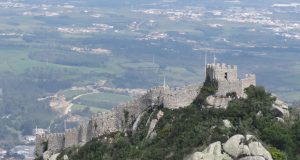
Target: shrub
277,154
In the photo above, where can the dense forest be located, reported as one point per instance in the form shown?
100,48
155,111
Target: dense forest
183,131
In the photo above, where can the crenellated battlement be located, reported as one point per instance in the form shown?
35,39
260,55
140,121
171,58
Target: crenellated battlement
72,137
222,66
56,142
226,75
55,135
221,72
71,130
40,140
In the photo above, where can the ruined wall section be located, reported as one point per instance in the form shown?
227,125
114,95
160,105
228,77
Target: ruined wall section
56,142
175,98
250,79
131,111
105,123
83,133
72,137
90,131
225,87
40,141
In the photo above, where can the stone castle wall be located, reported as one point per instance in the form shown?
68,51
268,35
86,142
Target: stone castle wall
72,137
225,87
226,76
120,118
222,72
250,79
180,97
105,123
56,142
83,134
40,140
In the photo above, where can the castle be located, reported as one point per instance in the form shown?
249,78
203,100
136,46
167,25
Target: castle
226,76
122,117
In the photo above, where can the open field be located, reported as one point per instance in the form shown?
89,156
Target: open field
97,102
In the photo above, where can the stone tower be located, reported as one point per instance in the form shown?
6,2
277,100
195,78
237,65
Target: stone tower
222,72
226,76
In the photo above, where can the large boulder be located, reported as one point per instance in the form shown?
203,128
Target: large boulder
279,119
217,102
212,152
227,123
47,155
235,146
54,156
257,149
281,109
239,146
66,157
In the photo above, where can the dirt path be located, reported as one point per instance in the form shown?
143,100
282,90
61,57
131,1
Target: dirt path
69,108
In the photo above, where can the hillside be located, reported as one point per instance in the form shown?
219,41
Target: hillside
185,133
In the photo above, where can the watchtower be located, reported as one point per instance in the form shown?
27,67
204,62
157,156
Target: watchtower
227,78
221,72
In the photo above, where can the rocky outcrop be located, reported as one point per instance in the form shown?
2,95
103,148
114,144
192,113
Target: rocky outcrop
217,102
151,133
281,109
238,147
47,155
137,121
54,157
227,123
279,119
66,157
212,152
235,146
252,158
257,149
